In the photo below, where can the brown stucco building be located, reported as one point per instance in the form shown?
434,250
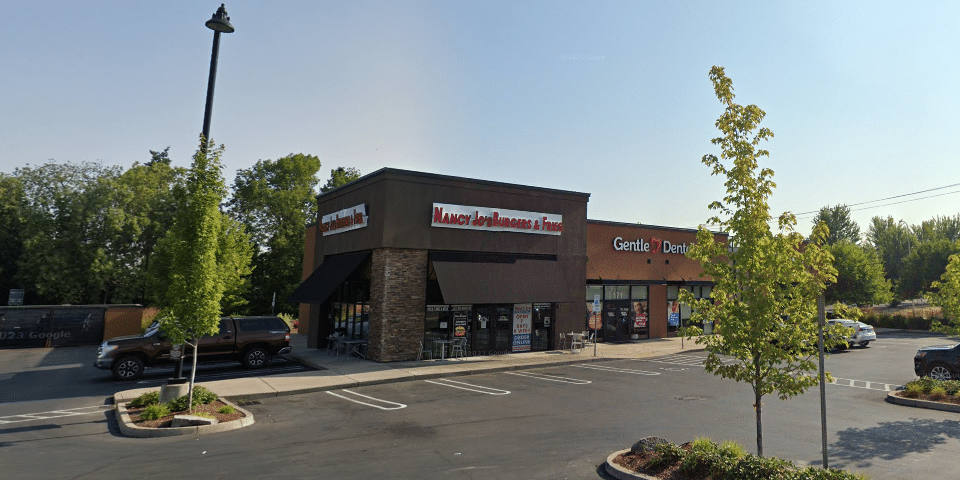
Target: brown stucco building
404,261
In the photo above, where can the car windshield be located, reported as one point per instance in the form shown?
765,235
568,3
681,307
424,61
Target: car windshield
152,329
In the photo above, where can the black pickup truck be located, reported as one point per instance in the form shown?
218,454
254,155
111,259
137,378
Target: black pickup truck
250,340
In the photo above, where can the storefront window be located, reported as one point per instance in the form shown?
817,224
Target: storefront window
640,308
350,310
673,308
593,290
542,319
616,292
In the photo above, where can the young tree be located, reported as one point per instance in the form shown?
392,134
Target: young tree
765,284
276,199
946,295
191,307
12,204
860,277
841,225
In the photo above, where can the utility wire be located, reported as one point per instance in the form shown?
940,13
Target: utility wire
798,215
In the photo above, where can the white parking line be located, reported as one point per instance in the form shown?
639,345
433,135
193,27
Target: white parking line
617,370
397,407
66,412
476,388
849,382
541,376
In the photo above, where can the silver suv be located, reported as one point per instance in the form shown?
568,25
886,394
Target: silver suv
860,333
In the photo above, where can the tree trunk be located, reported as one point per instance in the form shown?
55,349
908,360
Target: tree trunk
193,374
759,428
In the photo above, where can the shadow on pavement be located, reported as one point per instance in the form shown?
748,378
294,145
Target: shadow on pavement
857,447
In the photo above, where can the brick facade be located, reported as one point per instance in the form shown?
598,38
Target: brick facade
398,285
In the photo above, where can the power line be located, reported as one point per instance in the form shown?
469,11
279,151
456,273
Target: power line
888,204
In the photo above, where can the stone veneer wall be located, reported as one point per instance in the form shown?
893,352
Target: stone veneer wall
398,286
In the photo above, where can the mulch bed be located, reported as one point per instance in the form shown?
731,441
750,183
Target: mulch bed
209,409
640,462
931,398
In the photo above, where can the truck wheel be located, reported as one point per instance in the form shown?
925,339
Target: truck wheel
255,357
128,368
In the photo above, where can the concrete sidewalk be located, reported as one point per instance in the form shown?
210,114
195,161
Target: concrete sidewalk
336,372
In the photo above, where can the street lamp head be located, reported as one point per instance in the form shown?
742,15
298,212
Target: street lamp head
220,21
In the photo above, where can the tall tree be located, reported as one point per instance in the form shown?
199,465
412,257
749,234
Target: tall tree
67,232
12,204
924,265
841,225
275,199
339,177
938,228
892,241
191,306
766,287
946,295
860,278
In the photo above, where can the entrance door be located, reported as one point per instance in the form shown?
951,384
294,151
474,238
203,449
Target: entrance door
616,321
492,329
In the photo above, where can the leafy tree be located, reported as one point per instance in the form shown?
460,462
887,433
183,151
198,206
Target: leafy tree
946,295
841,225
276,199
765,284
340,177
860,278
12,203
67,232
892,241
938,228
191,307
924,265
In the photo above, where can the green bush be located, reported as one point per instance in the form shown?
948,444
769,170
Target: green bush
938,393
147,399
227,410
200,396
155,412
667,454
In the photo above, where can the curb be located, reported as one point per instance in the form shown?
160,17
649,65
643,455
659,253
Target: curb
128,429
621,473
917,403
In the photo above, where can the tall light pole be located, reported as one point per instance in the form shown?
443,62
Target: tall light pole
220,22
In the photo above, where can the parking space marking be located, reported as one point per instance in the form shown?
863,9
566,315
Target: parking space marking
476,388
617,369
849,382
65,412
541,376
397,406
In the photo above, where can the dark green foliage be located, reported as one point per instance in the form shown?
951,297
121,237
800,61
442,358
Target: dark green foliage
200,396
155,412
927,385
149,398
340,177
667,454
841,225
860,276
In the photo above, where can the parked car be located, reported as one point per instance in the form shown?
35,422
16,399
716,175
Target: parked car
860,333
940,362
249,340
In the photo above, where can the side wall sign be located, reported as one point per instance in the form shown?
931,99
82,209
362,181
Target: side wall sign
345,220
495,219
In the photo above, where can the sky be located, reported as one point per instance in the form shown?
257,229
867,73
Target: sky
610,98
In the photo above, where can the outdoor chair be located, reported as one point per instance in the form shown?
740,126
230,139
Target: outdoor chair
422,352
458,348
561,341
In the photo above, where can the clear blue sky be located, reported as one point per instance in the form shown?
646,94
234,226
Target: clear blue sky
610,98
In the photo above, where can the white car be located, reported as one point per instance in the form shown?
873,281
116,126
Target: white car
860,333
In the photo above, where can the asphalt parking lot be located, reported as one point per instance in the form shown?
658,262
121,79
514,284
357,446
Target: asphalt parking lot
557,422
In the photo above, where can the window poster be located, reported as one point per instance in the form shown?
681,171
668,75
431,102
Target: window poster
673,313
460,324
639,315
594,321
522,326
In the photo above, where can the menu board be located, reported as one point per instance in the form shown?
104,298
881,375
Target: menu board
460,324
522,326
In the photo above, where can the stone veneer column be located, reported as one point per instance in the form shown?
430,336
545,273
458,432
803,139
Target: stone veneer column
398,289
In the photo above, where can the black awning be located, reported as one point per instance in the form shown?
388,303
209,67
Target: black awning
325,279
519,281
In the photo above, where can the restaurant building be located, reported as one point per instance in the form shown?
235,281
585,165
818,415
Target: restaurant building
400,259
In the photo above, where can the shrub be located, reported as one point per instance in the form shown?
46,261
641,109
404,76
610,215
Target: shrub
147,399
938,393
912,390
200,396
227,410
667,454
752,467
155,412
